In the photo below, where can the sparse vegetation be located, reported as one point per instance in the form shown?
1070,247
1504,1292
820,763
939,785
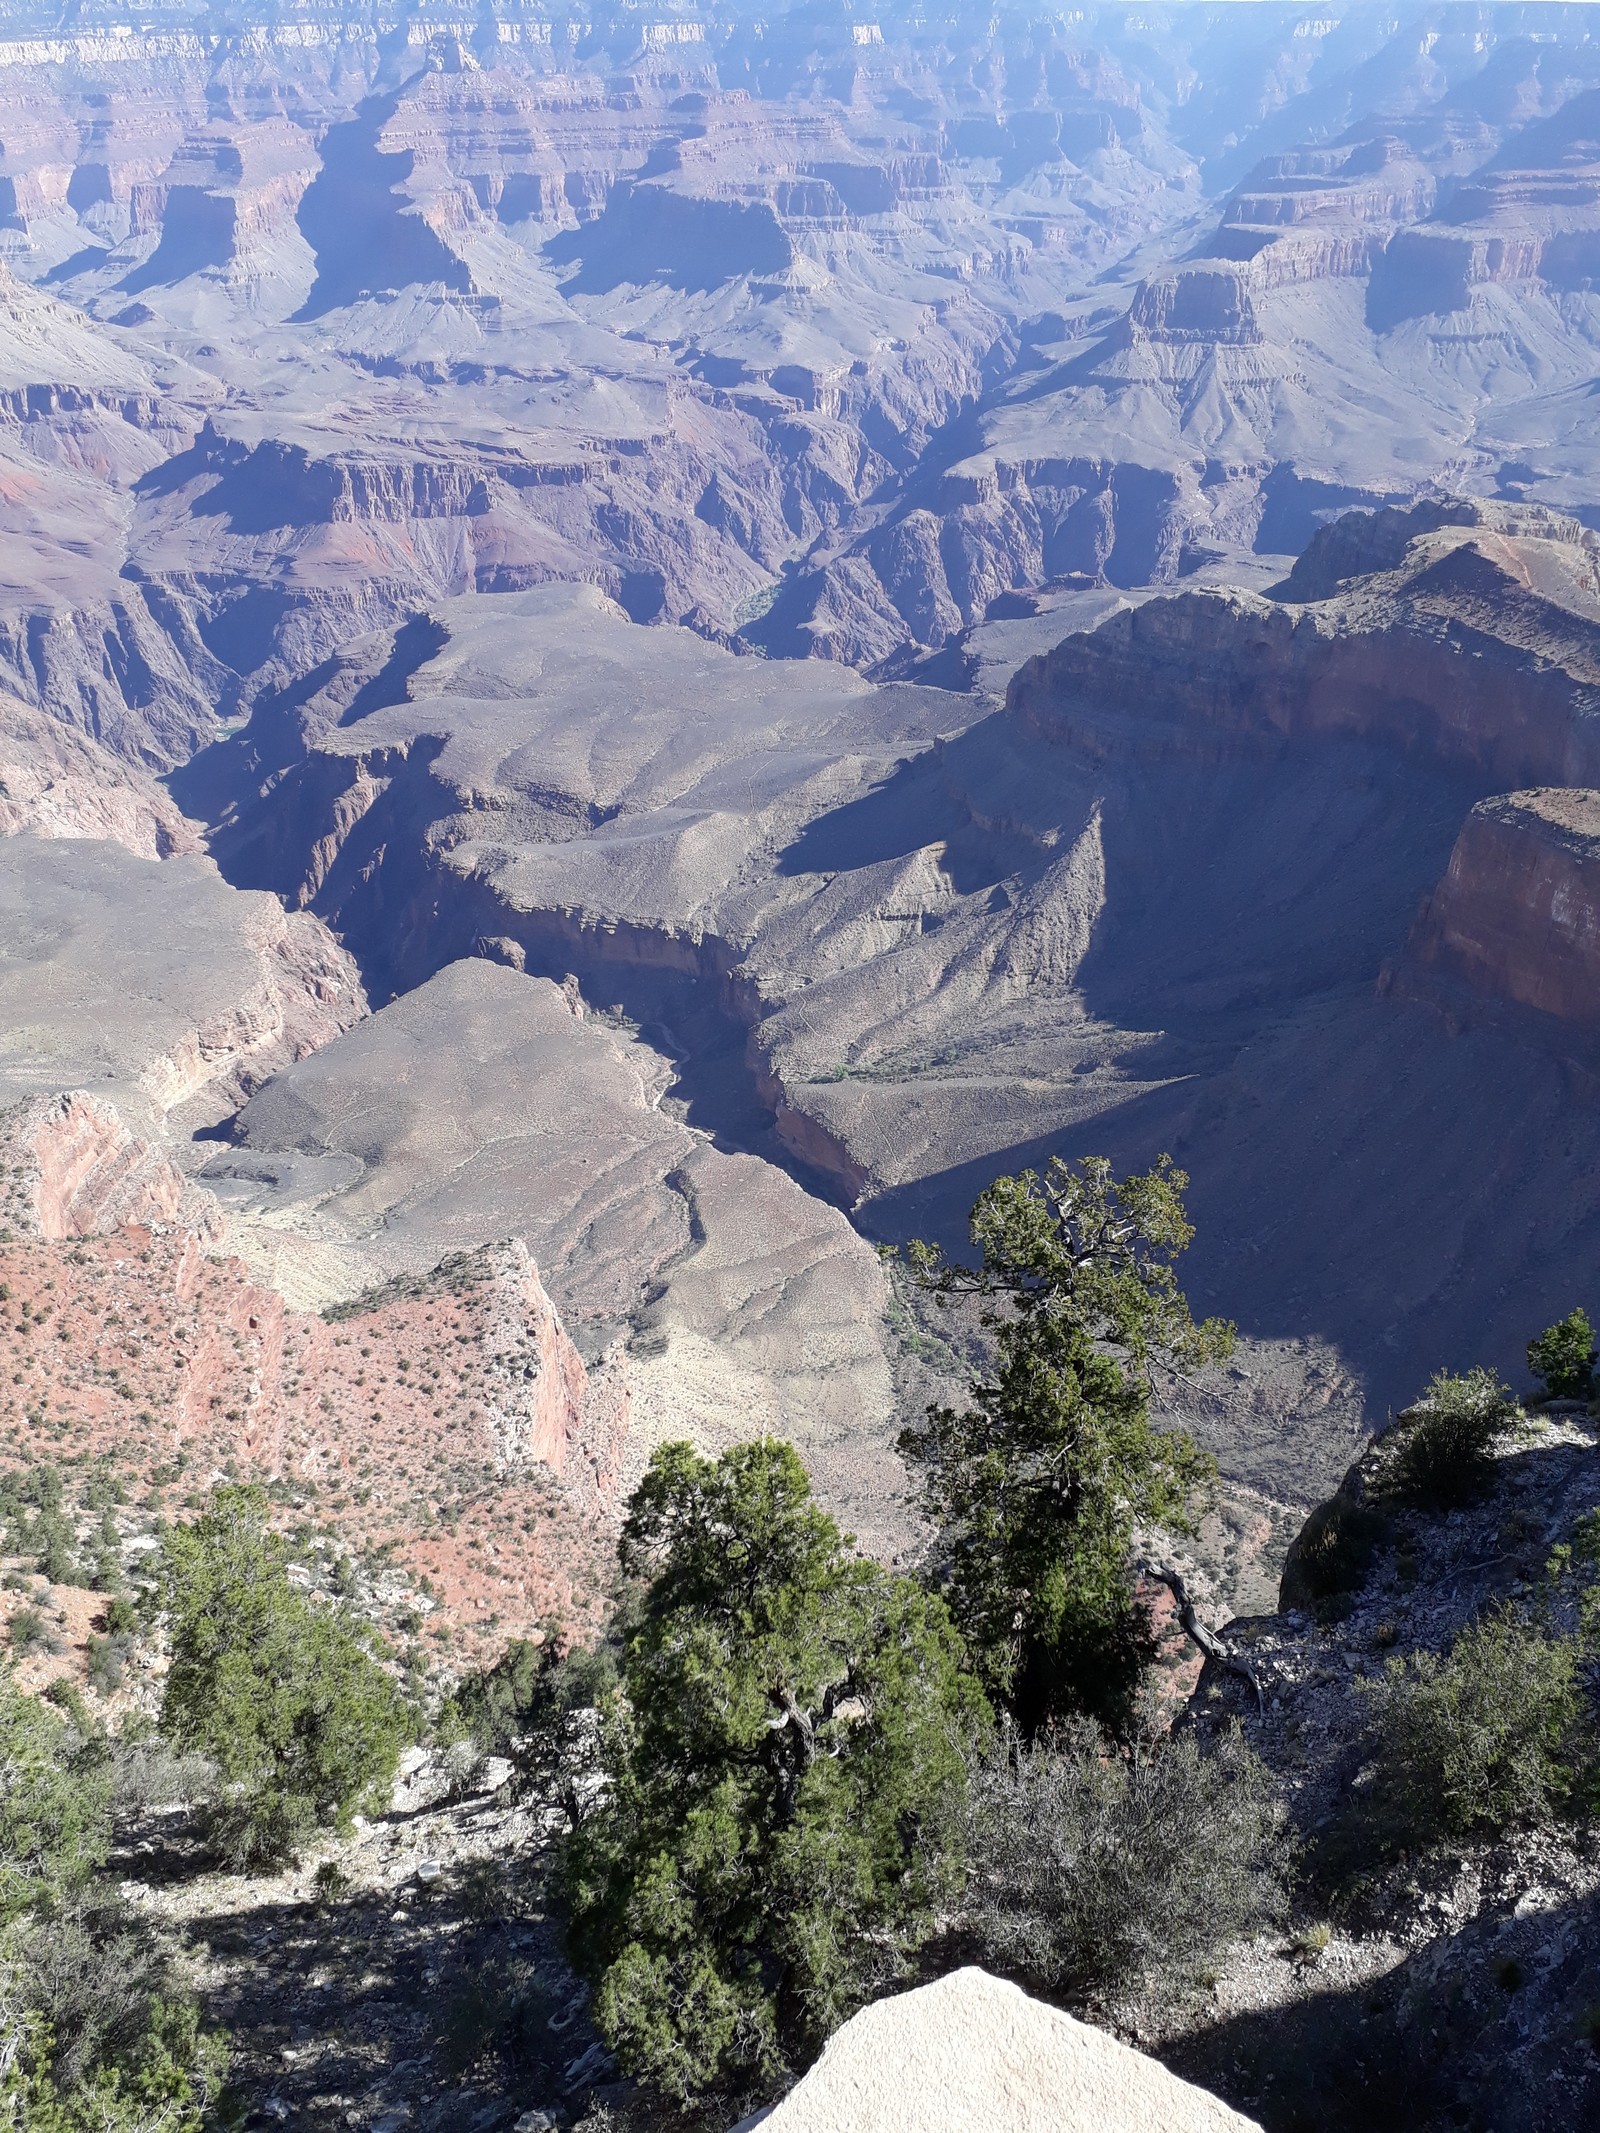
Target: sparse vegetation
94,2037
1096,1868
1036,1489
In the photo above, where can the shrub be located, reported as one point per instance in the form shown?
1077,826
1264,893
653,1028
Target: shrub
107,1661
1563,1357
1485,1739
775,1816
148,1774
28,1631
1331,1555
95,1973
1442,1457
165,2084
500,2014
1096,1869
330,1882
537,1706
55,1823
284,1696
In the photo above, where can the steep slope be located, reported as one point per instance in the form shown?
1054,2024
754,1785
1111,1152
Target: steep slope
485,1104
1457,1979
152,983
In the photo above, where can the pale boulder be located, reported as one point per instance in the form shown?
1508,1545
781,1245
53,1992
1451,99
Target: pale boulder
972,2054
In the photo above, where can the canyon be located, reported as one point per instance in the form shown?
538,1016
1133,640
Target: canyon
678,640
638,649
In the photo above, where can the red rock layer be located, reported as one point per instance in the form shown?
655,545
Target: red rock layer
72,1169
1517,915
447,1419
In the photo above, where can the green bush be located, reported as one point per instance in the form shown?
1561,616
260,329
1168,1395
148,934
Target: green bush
535,1705
28,1631
1486,1739
1095,1869
286,1698
55,1805
165,2085
107,1659
93,2038
775,1815
1442,1455
1563,1357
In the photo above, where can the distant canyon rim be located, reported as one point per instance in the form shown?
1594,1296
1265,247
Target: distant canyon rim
660,642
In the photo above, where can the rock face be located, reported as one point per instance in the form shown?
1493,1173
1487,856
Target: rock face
1517,916
152,983
448,1416
306,325
972,2054
76,1171
1407,2019
1466,633
56,782
728,1300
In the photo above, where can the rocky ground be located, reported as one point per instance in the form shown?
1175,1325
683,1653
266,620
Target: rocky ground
448,1440
408,1977
1452,1983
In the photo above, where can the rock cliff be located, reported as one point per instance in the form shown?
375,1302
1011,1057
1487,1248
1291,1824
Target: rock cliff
1466,633
1458,1973
76,1171
1517,915
447,1418
152,982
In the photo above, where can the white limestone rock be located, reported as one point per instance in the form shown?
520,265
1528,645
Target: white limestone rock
972,2054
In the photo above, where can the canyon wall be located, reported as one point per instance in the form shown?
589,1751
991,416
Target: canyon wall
1517,916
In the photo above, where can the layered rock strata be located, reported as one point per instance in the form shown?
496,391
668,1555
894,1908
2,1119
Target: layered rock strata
153,983
57,782
486,1103
1517,915
74,1170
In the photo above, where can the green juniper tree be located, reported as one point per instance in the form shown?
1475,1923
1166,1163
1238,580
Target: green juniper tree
1037,1488
774,1798
287,1697
1563,1357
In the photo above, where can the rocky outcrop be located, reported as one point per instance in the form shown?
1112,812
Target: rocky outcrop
729,1301
972,2054
1457,1975
57,782
1467,633
1517,916
74,1170
153,982
447,1416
